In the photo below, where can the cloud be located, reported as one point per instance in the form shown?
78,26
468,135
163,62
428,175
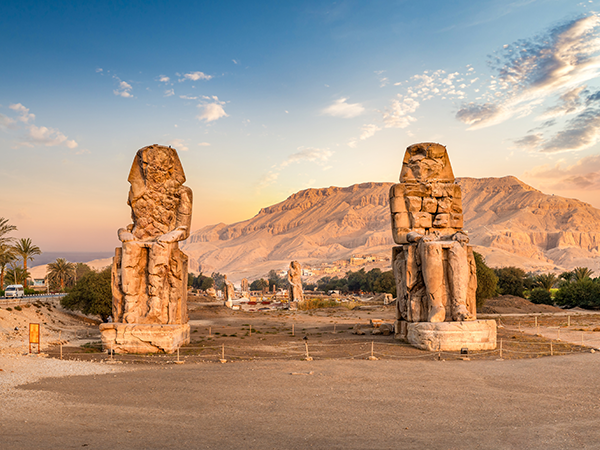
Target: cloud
340,108
398,115
24,115
179,144
203,144
169,92
164,79
187,97
98,70
211,112
124,89
529,142
6,122
530,71
316,155
268,179
580,133
235,61
584,174
195,76
368,131
35,135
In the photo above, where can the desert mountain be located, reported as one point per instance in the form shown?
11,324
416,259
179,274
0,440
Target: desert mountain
509,222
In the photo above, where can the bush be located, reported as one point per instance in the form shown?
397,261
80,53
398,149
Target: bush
487,281
511,281
316,303
540,296
18,308
91,295
583,293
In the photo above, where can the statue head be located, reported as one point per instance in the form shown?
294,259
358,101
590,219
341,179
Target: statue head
426,162
153,167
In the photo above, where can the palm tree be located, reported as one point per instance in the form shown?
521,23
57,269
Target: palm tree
26,250
582,273
546,280
5,228
16,275
60,272
7,256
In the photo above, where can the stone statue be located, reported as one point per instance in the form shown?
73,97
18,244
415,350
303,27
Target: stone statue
149,273
228,290
434,267
245,287
295,283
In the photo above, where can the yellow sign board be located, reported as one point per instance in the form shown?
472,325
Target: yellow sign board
34,335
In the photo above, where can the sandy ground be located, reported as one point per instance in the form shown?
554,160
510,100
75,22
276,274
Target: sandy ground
525,404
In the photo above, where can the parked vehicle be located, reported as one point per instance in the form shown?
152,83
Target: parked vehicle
14,290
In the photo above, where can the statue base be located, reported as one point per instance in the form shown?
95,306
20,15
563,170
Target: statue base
449,336
144,338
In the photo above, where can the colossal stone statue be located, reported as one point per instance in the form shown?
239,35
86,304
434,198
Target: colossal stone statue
245,287
149,273
295,282
228,291
434,267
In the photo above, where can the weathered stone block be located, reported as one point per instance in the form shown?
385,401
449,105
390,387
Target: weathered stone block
397,190
401,220
441,220
420,220
418,190
444,205
452,336
456,220
430,205
414,204
397,204
456,206
144,338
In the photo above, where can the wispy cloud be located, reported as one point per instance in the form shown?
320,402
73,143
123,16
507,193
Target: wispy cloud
340,108
195,76
530,71
304,154
124,89
179,144
584,174
34,135
203,144
164,79
211,111
169,92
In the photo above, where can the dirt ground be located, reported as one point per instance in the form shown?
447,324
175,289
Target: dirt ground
509,304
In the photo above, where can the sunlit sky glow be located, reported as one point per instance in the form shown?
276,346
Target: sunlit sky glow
262,99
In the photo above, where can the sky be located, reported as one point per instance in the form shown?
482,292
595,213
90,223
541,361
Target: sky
263,99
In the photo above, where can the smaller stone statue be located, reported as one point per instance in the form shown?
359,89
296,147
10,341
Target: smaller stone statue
228,290
295,282
245,288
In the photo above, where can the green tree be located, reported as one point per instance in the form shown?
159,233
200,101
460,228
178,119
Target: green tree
60,274
357,281
510,281
259,285
80,270
546,281
200,282
7,256
583,293
218,279
487,281
385,283
277,281
6,228
16,275
26,250
582,273
540,295
91,294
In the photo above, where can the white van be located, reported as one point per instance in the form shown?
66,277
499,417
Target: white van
14,290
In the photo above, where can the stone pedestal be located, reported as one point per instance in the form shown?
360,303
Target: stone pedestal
451,336
144,338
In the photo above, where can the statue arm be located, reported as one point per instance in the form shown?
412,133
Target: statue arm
184,219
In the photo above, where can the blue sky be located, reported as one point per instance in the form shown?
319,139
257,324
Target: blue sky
262,99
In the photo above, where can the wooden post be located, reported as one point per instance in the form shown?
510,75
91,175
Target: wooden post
558,334
223,360
308,357
334,328
500,348
293,333
551,349
250,330
60,342
582,338
209,331
177,354
536,322
568,320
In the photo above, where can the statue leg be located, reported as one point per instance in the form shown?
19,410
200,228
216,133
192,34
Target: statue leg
158,275
459,281
433,277
131,281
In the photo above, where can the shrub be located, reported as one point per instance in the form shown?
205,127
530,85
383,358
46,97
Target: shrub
91,295
18,308
316,303
583,293
540,296
511,281
487,281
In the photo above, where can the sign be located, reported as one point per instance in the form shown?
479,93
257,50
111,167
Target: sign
34,335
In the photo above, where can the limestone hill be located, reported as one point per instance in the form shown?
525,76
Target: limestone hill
510,222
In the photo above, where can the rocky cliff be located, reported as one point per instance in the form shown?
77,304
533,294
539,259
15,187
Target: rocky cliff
510,222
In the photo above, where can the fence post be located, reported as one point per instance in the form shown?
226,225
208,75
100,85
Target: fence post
551,349
223,360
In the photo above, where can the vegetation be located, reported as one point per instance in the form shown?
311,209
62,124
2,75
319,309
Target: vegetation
511,281
540,295
26,250
6,228
218,279
200,282
276,280
91,294
546,281
316,303
583,293
16,275
259,285
61,274
360,281
487,281
7,256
